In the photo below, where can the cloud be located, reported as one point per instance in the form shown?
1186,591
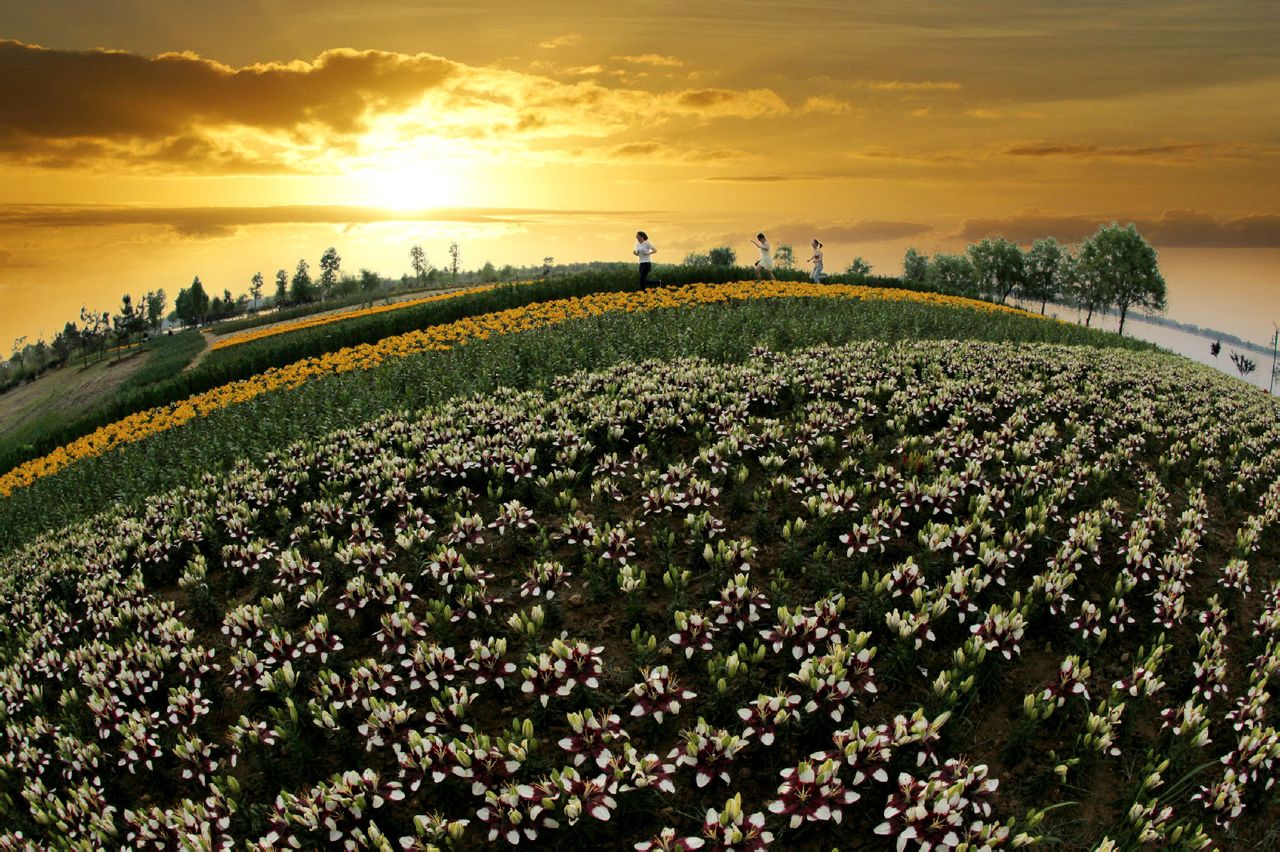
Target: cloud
179,112
1168,152
720,103
652,59
561,41
1172,229
908,85
826,104
211,222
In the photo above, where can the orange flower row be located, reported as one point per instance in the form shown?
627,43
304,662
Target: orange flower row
143,424
312,322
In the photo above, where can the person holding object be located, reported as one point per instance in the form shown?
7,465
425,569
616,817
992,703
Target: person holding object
816,260
644,251
765,263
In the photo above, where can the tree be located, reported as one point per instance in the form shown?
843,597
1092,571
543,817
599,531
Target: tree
722,256
369,283
301,289
1084,289
785,256
695,259
199,300
488,273
330,264
255,288
1125,266
998,267
858,270
1046,272
951,273
282,288
418,260
65,342
157,303
455,254
915,269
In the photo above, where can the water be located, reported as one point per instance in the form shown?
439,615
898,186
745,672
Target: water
1193,346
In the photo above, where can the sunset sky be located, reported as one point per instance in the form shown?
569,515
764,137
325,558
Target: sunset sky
143,142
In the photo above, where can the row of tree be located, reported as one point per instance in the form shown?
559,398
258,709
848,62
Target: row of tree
1115,269
92,337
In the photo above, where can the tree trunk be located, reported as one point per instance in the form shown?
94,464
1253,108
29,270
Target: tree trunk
1088,317
1124,309
1042,304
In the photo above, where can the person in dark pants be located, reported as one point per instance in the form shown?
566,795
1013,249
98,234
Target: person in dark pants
644,251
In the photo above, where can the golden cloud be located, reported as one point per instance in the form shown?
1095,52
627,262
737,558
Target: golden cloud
182,112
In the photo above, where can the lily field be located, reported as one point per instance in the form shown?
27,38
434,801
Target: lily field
720,566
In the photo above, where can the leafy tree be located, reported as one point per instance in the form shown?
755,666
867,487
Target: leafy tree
915,269
1047,272
858,270
998,267
418,259
282,288
157,302
1085,289
695,259
488,273
192,304
199,299
1125,267
255,288
951,273
722,256
301,290
455,256
330,264
65,342
785,256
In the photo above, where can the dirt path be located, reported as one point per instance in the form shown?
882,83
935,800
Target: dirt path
211,337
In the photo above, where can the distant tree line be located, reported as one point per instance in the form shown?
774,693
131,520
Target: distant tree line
100,334
1113,270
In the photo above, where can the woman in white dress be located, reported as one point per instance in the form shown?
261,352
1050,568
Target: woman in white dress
765,263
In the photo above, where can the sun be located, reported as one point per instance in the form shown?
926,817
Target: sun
411,185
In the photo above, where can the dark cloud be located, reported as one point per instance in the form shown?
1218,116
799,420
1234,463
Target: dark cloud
59,94
1180,151
210,222
1173,229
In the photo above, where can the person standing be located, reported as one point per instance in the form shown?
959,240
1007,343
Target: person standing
644,251
765,263
816,260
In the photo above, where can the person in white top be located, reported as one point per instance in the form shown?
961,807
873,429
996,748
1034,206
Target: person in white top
765,263
644,251
816,260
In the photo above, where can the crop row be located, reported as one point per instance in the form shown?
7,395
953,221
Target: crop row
683,605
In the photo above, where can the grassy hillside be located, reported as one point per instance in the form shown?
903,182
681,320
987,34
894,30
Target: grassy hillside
908,590
33,417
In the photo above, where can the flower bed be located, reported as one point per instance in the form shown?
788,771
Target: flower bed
143,424
919,591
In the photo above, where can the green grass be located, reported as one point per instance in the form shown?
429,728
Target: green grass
531,359
74,395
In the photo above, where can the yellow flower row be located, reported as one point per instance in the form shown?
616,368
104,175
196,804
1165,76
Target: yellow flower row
138,426
312,322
